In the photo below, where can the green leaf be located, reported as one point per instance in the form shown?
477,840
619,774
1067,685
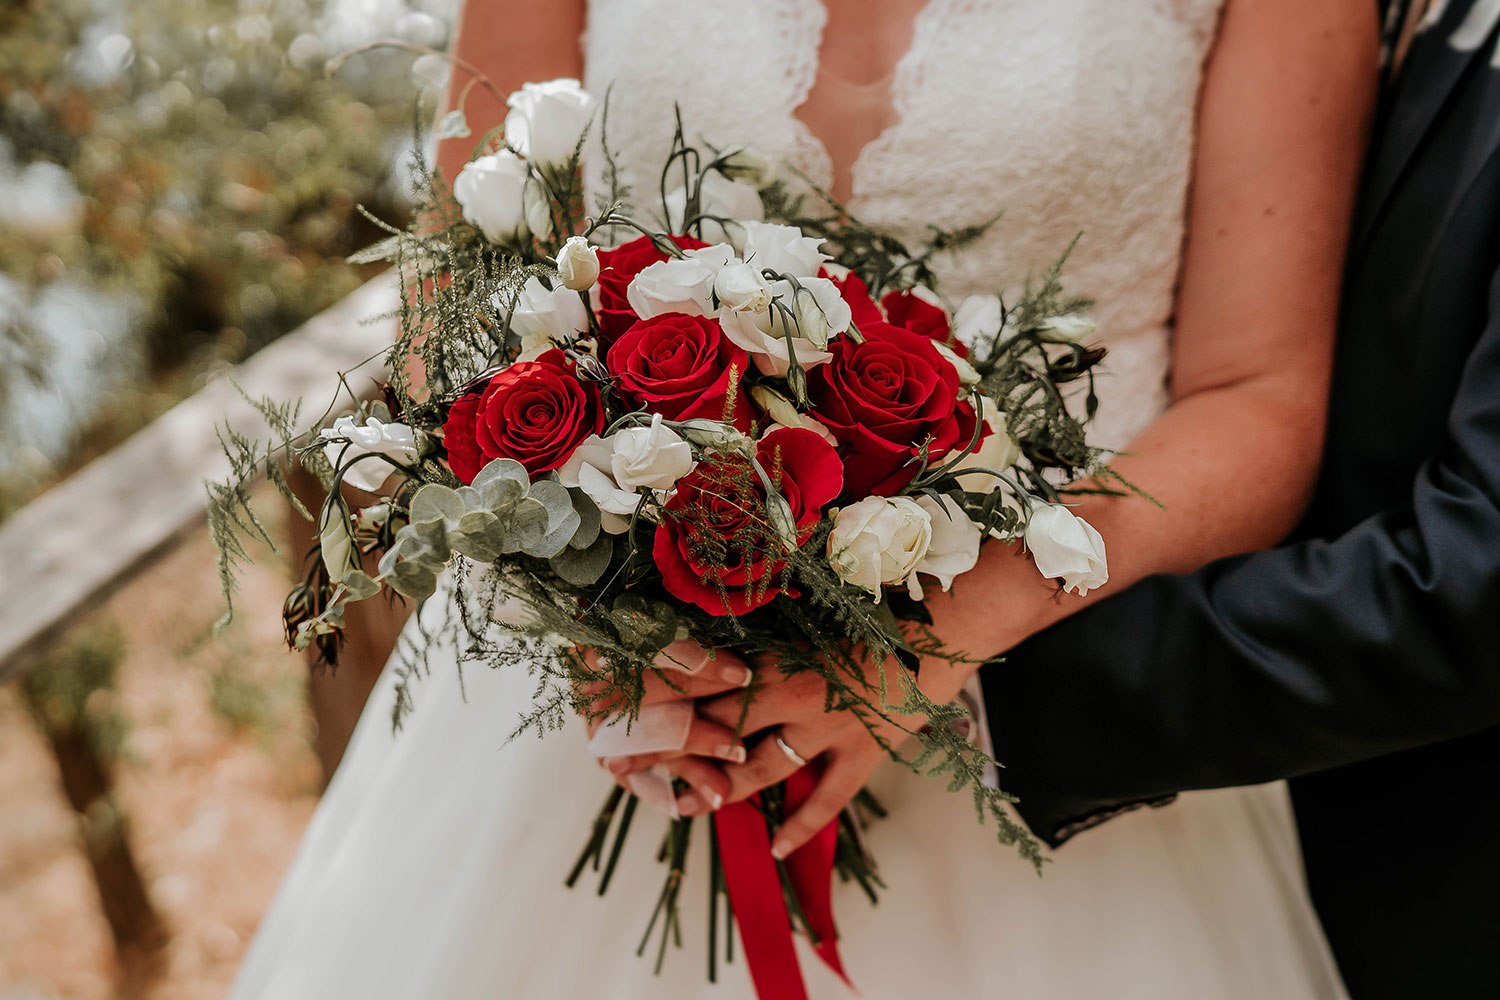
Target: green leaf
562,520
588,519
583,567
359,586
436,503
526,525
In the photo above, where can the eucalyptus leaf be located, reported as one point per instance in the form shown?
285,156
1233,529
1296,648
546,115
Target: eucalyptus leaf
359,586
584,567
588,519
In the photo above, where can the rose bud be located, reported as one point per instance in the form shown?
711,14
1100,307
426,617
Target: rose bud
578,263
1066,329
1065,545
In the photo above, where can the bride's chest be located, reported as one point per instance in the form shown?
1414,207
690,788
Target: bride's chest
1013,82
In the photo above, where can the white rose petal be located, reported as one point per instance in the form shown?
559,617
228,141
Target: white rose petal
679,284
762,335
782,249
966,373
499,197
546,317
997,452
954,549
1066,546
578,263
348,440
976,324
878,542
1069,329
722,198
546,120
653,457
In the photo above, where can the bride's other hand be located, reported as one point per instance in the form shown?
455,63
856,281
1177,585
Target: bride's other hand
790,714
688,672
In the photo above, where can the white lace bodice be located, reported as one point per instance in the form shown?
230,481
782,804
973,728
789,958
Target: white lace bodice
1067,115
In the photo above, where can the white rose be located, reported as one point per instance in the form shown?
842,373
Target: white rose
976,324
782,249
1068,329
679,284
954,548
578,263
722,198
546,317
1065,545
347,440
997,452
741,287
880,541
821,311
613,470
499,196
652,457
547,120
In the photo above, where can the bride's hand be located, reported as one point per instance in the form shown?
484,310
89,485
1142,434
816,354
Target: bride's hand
793,709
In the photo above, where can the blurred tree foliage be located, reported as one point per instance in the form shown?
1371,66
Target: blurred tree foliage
217,164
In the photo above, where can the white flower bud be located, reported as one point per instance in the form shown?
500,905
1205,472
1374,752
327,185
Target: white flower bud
742,163
1067,329
740,288
1066,546
714,436
578,263
878,542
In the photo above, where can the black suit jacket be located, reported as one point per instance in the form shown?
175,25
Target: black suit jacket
1363,660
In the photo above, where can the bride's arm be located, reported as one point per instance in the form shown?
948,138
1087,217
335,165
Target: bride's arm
1285,108
507,42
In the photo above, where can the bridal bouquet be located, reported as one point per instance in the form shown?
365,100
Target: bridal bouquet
710,415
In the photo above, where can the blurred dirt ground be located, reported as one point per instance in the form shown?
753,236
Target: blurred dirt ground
217,778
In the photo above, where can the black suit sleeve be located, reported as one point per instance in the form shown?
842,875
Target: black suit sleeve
1279,663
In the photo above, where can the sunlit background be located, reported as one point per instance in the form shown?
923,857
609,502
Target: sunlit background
180,181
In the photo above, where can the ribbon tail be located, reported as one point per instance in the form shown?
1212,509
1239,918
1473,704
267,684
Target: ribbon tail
759,907
810,869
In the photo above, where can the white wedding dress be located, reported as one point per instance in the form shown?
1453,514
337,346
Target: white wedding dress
434,867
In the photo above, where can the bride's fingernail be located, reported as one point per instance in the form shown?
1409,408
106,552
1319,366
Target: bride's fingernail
780,849
732,753
617,765
689,804
735,673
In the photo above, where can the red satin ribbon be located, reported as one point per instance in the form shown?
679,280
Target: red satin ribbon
755,892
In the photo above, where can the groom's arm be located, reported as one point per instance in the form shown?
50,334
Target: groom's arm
1278,663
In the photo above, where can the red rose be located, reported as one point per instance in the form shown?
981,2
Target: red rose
882,399
714,548
617,269
679,366
535,412
916,314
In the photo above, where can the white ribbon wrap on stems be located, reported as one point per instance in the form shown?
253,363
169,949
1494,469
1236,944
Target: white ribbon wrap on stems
658,728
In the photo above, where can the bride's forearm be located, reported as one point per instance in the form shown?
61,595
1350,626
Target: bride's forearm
1234,458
